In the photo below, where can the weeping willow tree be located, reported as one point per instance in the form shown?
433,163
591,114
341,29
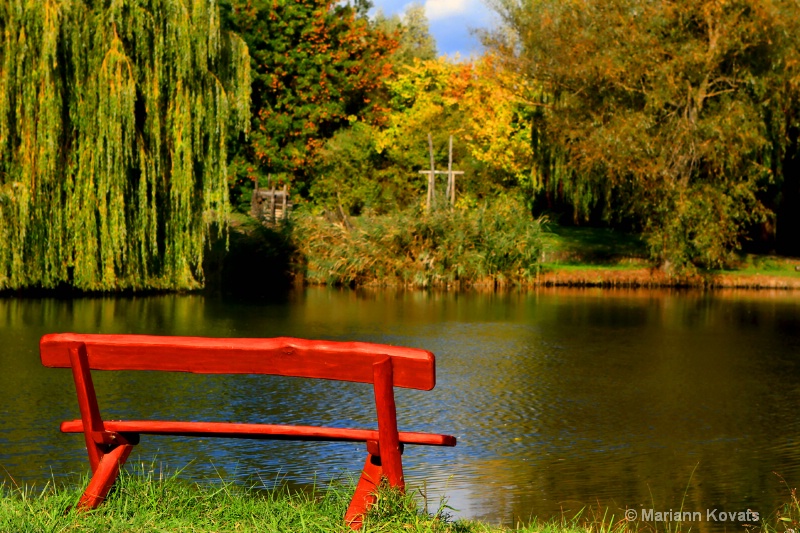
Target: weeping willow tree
114,118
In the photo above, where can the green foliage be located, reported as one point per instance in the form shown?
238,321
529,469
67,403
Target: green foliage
497,243
660,111
148,500
375,167
316,64
349,174
472,102
426,97
113,126
413,34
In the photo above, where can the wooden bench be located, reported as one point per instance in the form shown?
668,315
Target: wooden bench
109,442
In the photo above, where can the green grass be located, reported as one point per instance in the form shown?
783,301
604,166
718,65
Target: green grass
144,503
592,248
575,250
767,265
147,504
151,502
622,266
148,501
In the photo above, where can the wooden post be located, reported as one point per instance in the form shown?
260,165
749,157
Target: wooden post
255,206
285,199
103,479
368,484
450,177
431,192
272,204
450,193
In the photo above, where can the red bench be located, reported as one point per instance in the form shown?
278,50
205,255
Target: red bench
109,442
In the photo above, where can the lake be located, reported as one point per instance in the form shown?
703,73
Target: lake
560,399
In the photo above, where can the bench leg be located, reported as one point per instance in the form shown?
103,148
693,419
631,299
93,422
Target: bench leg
383,458
87,403
107,451
389,440
364,496
104,477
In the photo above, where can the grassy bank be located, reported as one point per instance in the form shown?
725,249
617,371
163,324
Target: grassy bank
149,502
597,257
495,245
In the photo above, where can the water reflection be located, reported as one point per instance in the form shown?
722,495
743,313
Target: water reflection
560,399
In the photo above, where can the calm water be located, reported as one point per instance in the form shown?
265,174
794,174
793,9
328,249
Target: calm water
560,399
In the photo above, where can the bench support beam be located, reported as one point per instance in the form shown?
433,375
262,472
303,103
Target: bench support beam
364,496
389,440
87,403
383,456
107,450
104,477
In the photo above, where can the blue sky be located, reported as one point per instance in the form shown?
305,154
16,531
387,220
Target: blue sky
450,22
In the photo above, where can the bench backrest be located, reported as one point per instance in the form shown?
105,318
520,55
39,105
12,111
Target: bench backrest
283,356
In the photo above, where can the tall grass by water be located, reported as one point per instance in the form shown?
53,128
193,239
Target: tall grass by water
495,244
149,501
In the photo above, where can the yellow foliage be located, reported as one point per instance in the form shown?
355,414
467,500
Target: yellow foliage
478,103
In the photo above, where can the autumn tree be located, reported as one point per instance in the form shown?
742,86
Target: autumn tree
316,65
376,167
412,32
671,113
113,126
472,102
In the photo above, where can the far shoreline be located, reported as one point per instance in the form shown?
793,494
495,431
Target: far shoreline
657,279
598,278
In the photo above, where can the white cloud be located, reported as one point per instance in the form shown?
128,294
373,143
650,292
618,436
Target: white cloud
450,21
439,9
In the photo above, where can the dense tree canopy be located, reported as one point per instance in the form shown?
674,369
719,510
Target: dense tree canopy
470,101
113,126
123,124
671,113
316,64
413,35
376,167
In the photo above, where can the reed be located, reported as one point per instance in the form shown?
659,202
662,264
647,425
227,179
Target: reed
497,244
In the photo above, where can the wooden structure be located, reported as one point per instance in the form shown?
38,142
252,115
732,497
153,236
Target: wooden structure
270,205
109,442
450,193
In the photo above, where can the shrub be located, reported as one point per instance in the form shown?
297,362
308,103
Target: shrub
497,243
